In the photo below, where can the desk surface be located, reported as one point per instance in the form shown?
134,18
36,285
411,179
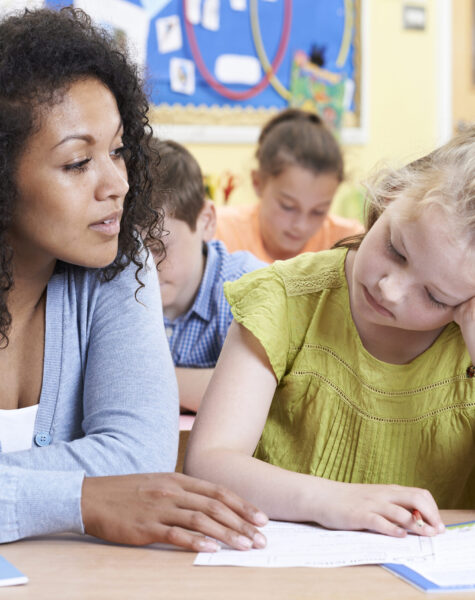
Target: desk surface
70,567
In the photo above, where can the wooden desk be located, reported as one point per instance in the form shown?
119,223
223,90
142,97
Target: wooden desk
70,567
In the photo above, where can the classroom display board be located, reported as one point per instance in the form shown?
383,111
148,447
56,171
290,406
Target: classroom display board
235,62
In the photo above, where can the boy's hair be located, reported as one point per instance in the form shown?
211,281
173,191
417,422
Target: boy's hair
296,137
178,183
445,177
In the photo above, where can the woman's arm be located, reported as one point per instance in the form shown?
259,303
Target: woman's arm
227,430
125,420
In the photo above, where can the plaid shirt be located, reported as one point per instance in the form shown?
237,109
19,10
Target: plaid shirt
196,338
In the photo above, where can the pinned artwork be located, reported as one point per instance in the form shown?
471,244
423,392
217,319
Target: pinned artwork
182,76
318,90
238,4
231,62
169,36
210,18
193,11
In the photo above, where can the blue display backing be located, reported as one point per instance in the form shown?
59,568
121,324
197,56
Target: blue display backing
319,22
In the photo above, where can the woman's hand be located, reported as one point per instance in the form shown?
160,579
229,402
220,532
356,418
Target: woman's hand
381,508
464,316
171,508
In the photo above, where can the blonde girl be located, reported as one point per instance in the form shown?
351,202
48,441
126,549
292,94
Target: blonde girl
344,394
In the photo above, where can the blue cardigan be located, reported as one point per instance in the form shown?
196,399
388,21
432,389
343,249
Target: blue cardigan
108,404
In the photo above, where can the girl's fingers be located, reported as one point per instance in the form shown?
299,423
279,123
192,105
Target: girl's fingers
423,501
380,524
403,518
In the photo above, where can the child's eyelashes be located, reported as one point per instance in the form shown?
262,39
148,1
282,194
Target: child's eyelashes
287,207
392,250
435,302
401,258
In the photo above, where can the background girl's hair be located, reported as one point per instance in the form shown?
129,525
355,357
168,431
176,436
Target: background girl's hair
445,177
296,137
42,53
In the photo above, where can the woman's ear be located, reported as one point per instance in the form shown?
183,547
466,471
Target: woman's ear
207,221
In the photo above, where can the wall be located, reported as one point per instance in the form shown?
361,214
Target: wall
402,94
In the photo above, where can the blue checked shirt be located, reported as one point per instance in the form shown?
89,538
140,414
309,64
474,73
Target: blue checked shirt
196,338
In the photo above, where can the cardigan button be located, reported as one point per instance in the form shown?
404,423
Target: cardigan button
42,439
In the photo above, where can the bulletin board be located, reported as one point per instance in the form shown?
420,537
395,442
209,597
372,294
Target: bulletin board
228,65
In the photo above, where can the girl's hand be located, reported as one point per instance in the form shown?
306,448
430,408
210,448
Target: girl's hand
171,508
464,316
381,508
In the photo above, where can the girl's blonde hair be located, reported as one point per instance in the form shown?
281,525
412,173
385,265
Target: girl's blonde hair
445,177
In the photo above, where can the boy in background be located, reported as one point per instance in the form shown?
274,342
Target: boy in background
196,314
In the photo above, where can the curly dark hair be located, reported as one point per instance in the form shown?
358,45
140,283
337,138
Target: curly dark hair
42,53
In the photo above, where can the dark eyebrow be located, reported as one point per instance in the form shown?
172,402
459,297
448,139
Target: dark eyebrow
85,137
287,196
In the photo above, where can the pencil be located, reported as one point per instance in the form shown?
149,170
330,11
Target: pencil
416,515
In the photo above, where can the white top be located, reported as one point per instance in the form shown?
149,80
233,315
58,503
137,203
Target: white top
16,428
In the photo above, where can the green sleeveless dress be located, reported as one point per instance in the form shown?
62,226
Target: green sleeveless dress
340,413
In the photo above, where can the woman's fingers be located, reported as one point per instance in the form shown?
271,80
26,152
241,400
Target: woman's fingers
195,520
168,507
216,511
238,505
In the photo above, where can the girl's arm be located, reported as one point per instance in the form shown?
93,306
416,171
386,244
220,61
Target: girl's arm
227,430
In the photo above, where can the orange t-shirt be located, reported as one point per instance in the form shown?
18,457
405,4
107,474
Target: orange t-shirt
238,228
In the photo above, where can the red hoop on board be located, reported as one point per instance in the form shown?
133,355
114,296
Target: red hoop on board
264,82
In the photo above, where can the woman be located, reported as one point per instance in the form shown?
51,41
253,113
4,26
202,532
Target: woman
84,364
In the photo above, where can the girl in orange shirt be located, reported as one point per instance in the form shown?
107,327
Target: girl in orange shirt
300,167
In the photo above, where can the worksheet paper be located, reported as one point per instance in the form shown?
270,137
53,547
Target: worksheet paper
298,545
453,562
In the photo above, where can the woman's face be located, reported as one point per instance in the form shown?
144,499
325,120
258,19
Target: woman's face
294,205
71,182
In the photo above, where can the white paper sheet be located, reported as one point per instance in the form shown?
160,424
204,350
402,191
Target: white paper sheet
210,16
237,68
453,562
169,36
298,545
238,4
193,11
